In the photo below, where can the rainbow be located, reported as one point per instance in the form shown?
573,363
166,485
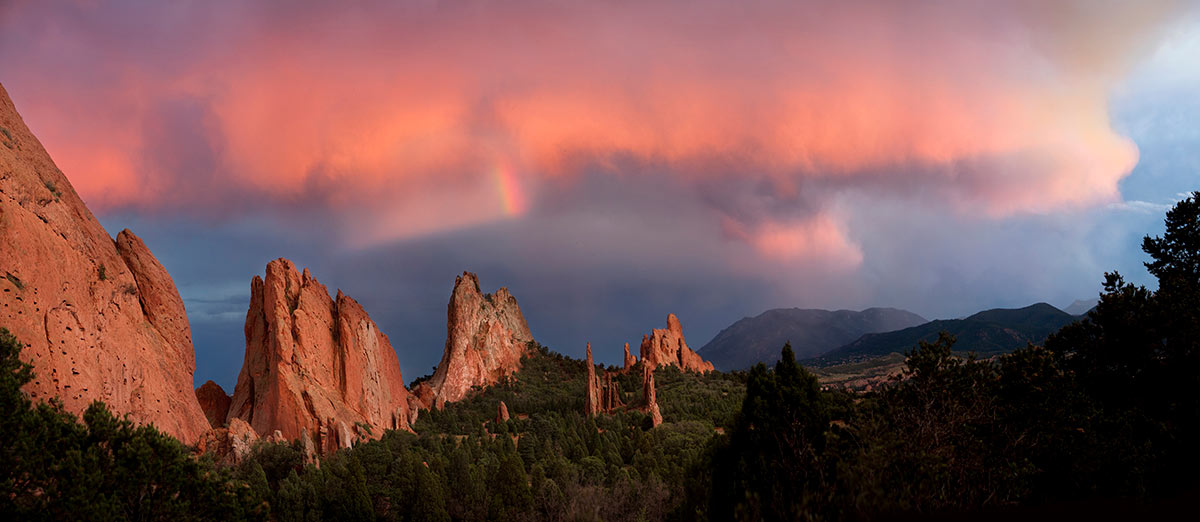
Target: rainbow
512,196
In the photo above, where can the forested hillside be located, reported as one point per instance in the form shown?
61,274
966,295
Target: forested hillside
989,332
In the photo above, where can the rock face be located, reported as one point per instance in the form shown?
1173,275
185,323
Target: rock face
665,347
159,299
215,403
502,412
315,365
228,445
486,335
101,320
650,397
630,360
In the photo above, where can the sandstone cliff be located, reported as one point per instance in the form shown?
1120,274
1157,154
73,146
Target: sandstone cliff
665,347
101,319
315,365
630,360
486,335
215,403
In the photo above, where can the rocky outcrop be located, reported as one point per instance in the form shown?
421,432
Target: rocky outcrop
215,403
603,395
101,320
667,347
486,335
315,365
158,297
228,445
649,397
501,412
610,394
308,447
630,360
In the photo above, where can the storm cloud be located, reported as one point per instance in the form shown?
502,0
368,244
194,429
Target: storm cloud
610,162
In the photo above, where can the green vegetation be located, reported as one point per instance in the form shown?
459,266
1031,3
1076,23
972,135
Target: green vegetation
1107,409
548,461
52,466
53,189
102,272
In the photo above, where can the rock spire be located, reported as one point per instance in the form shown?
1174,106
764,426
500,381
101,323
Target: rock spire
315,366
650,397
215,403
667,347
486,335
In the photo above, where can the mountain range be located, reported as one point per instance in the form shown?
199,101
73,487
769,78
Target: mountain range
988,332
824,337
811,332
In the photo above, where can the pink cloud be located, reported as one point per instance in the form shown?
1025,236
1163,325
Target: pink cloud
820,239
397,120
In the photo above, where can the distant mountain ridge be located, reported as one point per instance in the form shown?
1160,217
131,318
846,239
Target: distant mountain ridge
812,332
989,332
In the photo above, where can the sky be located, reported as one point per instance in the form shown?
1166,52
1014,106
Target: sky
611,162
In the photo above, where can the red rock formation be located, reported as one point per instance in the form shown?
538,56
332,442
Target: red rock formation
423,393
630,360
502,412
591,402
486,335
215,403
414,408
610,395
228,445
159,299
315,364
603,395
664,347
101,320
649,396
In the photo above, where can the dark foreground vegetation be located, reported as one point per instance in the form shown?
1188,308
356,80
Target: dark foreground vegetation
1107,409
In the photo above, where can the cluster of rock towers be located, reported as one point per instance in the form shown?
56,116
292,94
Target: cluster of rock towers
662,347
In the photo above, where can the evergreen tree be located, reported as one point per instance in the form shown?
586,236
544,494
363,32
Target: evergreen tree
773,467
